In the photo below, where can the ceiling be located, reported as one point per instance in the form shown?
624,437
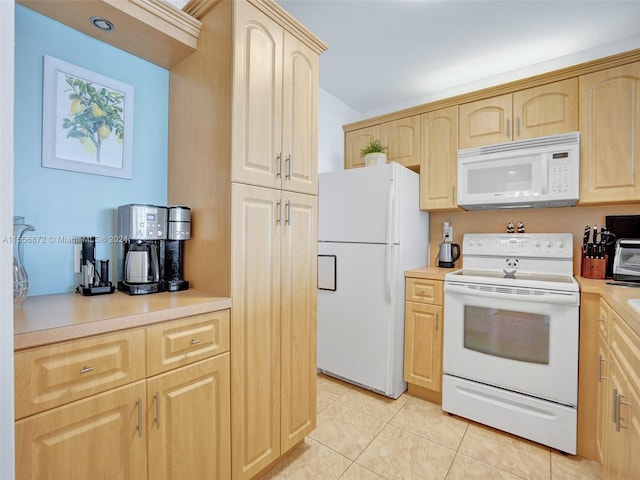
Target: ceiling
386,55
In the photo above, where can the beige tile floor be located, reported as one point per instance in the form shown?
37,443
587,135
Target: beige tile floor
364,436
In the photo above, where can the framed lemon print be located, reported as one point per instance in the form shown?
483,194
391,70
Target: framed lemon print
87,121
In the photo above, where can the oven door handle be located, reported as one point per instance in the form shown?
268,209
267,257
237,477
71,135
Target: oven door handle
558,298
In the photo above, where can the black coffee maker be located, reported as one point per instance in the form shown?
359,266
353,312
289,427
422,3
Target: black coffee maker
142,230
178,230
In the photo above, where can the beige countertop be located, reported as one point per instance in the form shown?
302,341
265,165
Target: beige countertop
430,271
46,319
616,296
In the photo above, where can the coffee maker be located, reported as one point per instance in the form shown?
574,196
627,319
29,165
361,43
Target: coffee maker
143,231
178,230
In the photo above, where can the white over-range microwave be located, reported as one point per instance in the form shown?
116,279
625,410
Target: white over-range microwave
539,172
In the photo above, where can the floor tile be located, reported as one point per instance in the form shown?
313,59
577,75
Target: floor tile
398,454
428,420
346,430
507,452
358,472
309,460
570,467
374,404
329,390
467,468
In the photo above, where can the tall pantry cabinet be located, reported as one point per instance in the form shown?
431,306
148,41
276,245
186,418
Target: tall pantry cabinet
243,156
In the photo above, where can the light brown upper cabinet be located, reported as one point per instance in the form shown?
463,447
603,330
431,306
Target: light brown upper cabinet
275,105
402,137
545,110
354,141
610,135
438,159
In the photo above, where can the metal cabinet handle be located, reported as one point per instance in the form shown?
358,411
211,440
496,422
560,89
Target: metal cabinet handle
600,319
288,163
279,213
600,360
507,130
518,126
86,370
437,321
139,428
157,397
453,193
618,399
279,170
195,341
287,211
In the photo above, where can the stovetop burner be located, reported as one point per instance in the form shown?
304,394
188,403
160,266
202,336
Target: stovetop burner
539,260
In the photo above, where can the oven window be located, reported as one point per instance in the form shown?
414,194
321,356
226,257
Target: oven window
507,334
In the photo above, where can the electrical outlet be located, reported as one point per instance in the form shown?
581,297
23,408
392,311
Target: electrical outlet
447,231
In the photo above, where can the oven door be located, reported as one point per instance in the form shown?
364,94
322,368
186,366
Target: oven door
513,338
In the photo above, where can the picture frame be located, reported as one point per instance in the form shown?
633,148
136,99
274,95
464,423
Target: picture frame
87,121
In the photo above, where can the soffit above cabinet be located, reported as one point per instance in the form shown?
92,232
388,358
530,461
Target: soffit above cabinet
153,30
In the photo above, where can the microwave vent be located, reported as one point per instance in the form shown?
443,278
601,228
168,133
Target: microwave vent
549,141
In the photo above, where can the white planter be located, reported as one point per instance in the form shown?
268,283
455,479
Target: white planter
378,158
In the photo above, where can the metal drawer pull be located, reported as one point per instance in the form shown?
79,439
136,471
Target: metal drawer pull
600,360
157,396
195,341
86,370
601,319
287,211
139,428
614,406
288,163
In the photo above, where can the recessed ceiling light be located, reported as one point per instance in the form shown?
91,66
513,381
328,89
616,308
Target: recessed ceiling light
102,23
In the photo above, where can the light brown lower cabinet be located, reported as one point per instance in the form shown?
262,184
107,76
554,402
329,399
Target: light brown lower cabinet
98,437
423,337
172,424
619,400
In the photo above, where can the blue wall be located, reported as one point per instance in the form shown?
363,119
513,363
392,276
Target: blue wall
61,203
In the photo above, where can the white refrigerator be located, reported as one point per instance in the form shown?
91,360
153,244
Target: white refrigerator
370,230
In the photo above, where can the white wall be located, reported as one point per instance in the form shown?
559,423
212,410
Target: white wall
7,8
332,114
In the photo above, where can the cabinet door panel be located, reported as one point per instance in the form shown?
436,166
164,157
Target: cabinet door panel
402,137
485,122
188,421
255,328
546,110
97,437
300,117
438,159
257,98
299,312
423,345
355,141
610,135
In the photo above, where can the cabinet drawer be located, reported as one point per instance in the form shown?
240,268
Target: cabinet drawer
424,290
180,342
50,376
625,344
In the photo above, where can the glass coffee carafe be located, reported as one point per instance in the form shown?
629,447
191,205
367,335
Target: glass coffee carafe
20,278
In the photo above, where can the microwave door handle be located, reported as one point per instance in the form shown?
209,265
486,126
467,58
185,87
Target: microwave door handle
545,176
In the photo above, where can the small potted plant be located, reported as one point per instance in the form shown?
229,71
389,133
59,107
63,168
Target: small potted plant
374,153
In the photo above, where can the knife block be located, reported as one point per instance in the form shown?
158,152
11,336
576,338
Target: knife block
593,267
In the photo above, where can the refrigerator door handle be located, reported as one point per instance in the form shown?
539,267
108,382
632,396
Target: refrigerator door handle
390,231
